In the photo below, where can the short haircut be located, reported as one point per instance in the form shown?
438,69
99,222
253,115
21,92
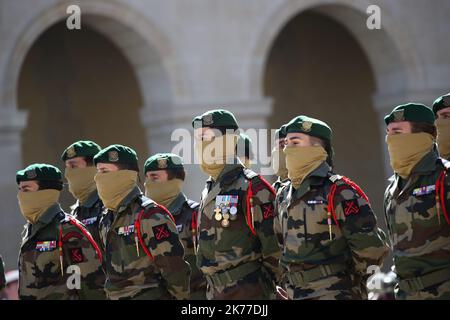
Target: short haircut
326,144
176,174
50,184
417,127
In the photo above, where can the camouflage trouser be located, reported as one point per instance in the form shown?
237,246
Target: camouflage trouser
256,285
439,291
337,287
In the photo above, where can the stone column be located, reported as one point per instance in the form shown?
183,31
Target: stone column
12,123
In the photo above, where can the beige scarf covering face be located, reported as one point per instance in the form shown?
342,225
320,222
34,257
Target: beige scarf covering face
279,163
214,154
34,204
114,186
407,149
301,161
163,192
81,182
443,138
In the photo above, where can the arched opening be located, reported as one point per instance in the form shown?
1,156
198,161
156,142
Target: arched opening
316,67
77,85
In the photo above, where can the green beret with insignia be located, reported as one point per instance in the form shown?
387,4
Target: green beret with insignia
163,161
116,154
309,126
412,112
244,146
216,119
441,103
81,149
39,172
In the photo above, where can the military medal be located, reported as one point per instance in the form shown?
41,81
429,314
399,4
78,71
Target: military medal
218,214
225,223
225,216
233,213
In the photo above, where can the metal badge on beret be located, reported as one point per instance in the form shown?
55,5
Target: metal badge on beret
31,174
306,126
113,156
208,119
162,163
71,152
399,115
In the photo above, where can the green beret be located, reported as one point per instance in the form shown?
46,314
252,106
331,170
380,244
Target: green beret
309,126
413,112
216,119
80,149
116,154
39,172
280,133
244,144
441,103
163,161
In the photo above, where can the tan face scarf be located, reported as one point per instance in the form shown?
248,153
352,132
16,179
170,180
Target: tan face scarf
407,149
114,186
279,163
81,182
443,138
214,154
163,192
34,204
301,161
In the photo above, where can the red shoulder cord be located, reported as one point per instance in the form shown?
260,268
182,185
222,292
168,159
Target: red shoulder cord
250,201
194,229
75,223
440,197
137,229
330,198
250,207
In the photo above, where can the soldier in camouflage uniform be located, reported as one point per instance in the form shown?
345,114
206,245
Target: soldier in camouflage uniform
164,180
53,242
417,203
441,109
80,172
329,231
237,247
143,254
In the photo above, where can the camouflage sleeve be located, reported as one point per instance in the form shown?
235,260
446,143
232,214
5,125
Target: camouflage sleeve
264,213
167,252
278,217
80,257
359,226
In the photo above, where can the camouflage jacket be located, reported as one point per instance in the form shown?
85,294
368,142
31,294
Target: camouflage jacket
40,274
184,212
90,213
356,243
250,237
130,272
2,274
420,239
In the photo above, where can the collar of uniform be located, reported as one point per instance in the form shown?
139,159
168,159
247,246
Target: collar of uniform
176,205
91,200
314,178
229,171
427,164
136,192
45,219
